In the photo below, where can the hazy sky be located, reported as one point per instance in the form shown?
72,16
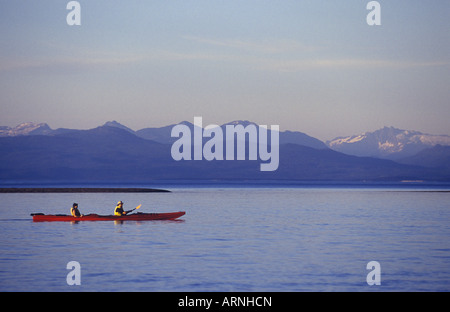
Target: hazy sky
312,66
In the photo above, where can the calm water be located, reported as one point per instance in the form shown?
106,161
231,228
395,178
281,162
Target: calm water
231,239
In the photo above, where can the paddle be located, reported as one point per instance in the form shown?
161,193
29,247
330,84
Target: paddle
134,209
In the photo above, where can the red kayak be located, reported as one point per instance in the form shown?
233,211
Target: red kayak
40,217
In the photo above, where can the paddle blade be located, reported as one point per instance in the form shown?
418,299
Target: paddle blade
138,207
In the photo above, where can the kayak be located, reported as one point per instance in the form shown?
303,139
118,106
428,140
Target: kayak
40,217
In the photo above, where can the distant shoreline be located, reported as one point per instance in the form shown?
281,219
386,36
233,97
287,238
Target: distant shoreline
79,190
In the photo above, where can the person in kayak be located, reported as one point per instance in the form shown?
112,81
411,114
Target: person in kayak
74,211
119,209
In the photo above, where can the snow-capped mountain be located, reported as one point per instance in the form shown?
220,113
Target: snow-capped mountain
388,142
26,128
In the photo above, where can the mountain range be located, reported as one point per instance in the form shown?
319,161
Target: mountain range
160,135
115,153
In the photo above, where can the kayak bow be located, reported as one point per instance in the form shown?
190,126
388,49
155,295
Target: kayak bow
40,217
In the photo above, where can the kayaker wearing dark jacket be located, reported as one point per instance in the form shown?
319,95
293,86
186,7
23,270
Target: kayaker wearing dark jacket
119,209
74,211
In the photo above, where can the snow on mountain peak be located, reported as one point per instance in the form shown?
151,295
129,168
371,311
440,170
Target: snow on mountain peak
388,142
26,128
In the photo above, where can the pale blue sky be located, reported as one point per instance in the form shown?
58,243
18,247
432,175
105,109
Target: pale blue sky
311,66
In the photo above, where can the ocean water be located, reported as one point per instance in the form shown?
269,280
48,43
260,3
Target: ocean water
255,239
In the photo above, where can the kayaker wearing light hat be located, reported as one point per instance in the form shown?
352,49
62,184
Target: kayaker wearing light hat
74,211
119,209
